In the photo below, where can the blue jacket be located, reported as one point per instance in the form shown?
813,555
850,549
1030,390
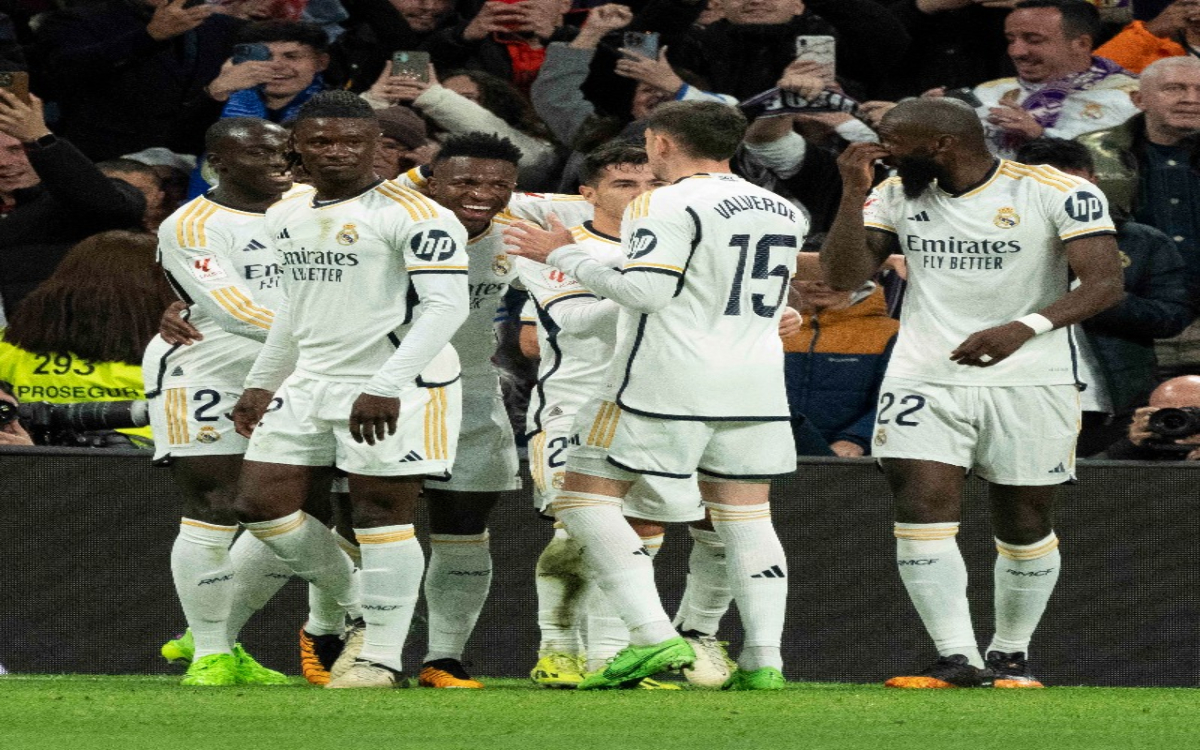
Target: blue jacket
835,365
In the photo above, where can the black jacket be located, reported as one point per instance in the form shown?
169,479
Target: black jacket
72,202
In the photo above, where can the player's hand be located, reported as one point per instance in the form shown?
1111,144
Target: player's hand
249,410
22,121
857,167
790,323
898,264
171,19
1015,120
373,418
987,347
846,449
1174,19
526,240
13,433
174,329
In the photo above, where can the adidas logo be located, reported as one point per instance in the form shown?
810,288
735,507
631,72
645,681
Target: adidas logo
177,372
642,551
1058,470
283,235
254,245
412,456
555,412
922,216
771,572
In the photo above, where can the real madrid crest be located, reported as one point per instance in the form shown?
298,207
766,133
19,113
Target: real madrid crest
1093,110
880,437
208,434
348,235
1007,218
501,265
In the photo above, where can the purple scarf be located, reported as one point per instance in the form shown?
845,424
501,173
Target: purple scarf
1046,105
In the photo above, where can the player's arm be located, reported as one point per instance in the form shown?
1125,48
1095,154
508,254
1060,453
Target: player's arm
203,273
573,308
441,285
860,238
274,363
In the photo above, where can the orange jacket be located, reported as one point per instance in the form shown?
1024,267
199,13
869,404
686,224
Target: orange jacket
1135,48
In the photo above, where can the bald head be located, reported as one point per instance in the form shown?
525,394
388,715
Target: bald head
236,131
936,117
1177,393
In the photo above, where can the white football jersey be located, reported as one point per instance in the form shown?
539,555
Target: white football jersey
984,258
219,261
491,272
573,365
346,272
713,353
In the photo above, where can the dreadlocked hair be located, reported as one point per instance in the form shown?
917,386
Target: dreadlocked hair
102,303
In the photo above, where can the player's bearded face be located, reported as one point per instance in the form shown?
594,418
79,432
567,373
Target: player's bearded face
917,172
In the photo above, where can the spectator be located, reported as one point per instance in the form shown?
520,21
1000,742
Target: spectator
1116,347
129,74
378,28
473,101
835,364
1171,33
12,433
146,180
273,89
80,335
1061,90
52,197
744,53
1150,168
404,144
1140,444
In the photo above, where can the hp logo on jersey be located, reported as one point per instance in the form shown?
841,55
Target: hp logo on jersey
433,245
641,243
1084,206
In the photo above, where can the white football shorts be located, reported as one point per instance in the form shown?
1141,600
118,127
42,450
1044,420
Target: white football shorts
487,459
1013,435
311,428
195,421
652,498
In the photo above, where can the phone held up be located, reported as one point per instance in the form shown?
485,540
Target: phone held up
413,65
250,53
17,82
644,44
818,49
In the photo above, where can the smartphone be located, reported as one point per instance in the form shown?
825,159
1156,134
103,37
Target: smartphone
250,52
965,94
411,65
818,49
16,81
645,44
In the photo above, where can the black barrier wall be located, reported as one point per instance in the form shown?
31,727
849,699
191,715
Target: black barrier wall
85,542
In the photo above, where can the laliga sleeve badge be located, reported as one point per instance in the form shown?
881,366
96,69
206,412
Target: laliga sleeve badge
348,235
501,265
1007,218
208,434
206,267
880,437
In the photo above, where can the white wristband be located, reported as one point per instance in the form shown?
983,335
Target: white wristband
1039,323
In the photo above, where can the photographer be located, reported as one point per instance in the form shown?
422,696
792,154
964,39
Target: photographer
11,431
1174,435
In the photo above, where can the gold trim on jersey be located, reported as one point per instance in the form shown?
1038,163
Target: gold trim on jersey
189,230
663,266
751,513
416,177
996,172
537,449
877,225
418,206
639,207
281,529
565,295
403,535
580,232
425,269
175,405
1027,554
206,526
1108,228
235,302
436,439
926,535
604,428
1022,171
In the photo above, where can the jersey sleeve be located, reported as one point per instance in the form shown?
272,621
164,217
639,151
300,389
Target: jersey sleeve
1078,212
877,209
198,260
658,235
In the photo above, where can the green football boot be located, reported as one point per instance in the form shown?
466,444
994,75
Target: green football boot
638,662
766,678
212,671
250,672
180,650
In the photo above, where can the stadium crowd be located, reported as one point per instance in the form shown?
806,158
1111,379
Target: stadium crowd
509,127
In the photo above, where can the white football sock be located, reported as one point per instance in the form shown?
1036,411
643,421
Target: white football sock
258,576
204,576
707,596
757,574
621,564
561,586
935,575
354,611
305,545
606,632
1025,578
456,586
391,582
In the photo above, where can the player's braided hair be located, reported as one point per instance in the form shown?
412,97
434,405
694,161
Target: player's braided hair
336,104
479,145
613,152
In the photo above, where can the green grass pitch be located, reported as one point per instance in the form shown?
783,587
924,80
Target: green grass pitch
155,713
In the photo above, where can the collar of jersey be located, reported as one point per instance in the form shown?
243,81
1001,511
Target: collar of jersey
590,228
991,174
313,202
704,176
208,197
